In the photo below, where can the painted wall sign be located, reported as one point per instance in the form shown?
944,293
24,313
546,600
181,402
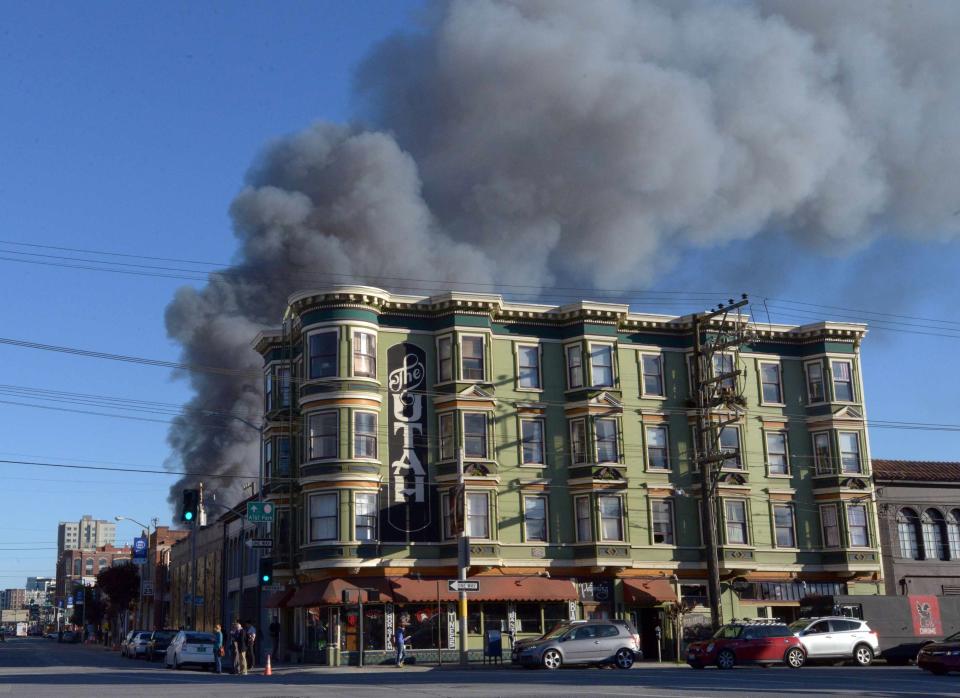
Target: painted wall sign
925,611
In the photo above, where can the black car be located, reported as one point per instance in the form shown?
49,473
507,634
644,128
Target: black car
941,657
158,643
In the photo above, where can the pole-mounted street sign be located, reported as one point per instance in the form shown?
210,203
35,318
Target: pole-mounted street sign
260,543
463,585
260,512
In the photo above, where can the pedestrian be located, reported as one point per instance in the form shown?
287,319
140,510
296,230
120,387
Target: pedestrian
275,638
399,641
239,640
251,645
217,649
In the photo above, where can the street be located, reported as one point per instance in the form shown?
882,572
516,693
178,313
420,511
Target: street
43,668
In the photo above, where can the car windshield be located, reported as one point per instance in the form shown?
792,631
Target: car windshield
952,638
163,635
557,631
728,632
198,638
143,636
798,625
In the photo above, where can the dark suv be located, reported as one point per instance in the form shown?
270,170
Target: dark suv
748,642
158,643
613,642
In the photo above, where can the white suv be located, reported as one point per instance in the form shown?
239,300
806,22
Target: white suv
837,638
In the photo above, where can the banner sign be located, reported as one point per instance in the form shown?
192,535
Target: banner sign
140,550
410,496
925,611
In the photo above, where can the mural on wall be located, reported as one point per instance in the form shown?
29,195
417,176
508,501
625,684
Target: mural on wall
925,611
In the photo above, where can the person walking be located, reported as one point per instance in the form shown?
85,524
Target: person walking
399,640
275,639
218,649
251,645
239,639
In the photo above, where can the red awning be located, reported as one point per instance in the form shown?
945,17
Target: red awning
517,588
648,592
279,599
330,591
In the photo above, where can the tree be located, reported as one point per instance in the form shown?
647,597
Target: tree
121,584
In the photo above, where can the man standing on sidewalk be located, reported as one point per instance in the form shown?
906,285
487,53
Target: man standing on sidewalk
251,645
275,639
399,641
239,641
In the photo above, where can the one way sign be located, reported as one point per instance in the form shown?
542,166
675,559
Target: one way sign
462,585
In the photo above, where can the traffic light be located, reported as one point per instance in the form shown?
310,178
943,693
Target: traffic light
266,571
191,506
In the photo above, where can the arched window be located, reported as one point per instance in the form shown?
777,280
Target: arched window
953,533
89,566
934,535
908,528
76,566
101,564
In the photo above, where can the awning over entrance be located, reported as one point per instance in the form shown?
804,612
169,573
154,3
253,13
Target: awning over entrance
279,599
330,591
648,592
517,588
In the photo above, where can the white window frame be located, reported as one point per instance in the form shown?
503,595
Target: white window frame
644,392
447,502
450,440
355,434
307,356
666,447
673,521
763,399
487,446
866,524
309,417
355,345
723,356
469,509
335,498
621,522
856,436
739,461
746,521
821,468
793,524
578,504
543,441
808,382
767,433
546,518
833,382
616,440
578,346
448,340
835,527
611,348
584,444
376,516
520,346
274,389
483,357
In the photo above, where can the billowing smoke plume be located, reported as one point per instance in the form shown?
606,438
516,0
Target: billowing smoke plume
550,143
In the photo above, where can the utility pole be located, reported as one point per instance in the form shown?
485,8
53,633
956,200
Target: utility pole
194,528
708,394
463,557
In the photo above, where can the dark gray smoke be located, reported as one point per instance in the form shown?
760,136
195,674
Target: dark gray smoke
550,142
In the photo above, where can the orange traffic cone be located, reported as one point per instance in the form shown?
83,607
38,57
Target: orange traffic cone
269,670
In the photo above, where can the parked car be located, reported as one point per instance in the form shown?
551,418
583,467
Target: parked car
189,647
613,642
940,657
158,643
836,637
124,642
136,644
70,636
748,642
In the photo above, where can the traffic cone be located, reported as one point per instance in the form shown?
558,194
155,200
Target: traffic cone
269,670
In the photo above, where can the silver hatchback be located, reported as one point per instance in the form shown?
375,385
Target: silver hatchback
613,642
836,637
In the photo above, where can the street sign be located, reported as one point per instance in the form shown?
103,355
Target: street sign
140,550
260,543
148,588
69,602
260,512
272,587
462,585
198,601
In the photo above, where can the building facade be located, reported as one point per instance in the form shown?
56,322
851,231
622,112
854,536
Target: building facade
86,534
80,567
919,505
575,426
14,600
156,574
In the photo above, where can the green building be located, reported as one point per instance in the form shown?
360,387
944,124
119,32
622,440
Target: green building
581,495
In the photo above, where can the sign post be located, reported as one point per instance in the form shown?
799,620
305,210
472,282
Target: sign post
463,585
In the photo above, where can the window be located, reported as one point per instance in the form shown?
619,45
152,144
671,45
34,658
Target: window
365,354
815,382
578,440
842,381
908,531
528,618
478,515
730,447
953,533
448,505
365,516
447,446
574,366
267,458
535,518
601,365
531,435
830,526
528,367
445,360
364,434
277,388
658,454
283,457
662,514
651,375
821,452
475,434
584,528
322,435
76,567
723,364
736,521
771,390
471,358
88,568
857,524
783,526
611,518
934,535
777,463
607,447
322,354
849,451
101,564
323,517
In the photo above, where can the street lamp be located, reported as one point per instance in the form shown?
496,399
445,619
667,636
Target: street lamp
141,620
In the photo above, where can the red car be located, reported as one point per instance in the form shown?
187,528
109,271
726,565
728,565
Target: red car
748,642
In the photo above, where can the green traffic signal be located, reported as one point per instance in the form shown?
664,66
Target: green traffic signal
266,570
188,515
191,505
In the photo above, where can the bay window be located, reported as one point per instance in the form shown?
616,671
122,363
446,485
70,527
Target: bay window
364,434
815,392
365,516
447,444
583,514
850,452
735,514
578,441
611,517
842,380
478,515
322,435
471,358
601,365
322,354
365,354
323,516
475,434
574,366
730,447
445,359
857,525
607,440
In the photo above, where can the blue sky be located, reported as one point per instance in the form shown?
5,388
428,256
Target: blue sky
129,127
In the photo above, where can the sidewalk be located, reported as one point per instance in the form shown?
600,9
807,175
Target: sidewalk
289,669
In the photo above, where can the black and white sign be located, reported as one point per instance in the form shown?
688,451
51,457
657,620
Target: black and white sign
260,543
463,585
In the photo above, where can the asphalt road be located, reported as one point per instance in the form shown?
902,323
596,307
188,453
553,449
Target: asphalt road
38,668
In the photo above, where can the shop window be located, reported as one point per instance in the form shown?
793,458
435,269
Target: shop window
529,619
373,629
554,614
423,629
495,617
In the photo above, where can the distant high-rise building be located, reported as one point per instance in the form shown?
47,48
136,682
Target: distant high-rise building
40,583
13,599
86,534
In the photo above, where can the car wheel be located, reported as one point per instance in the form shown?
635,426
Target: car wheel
176,663
552,659
725,660
862,655
795,658
623,659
